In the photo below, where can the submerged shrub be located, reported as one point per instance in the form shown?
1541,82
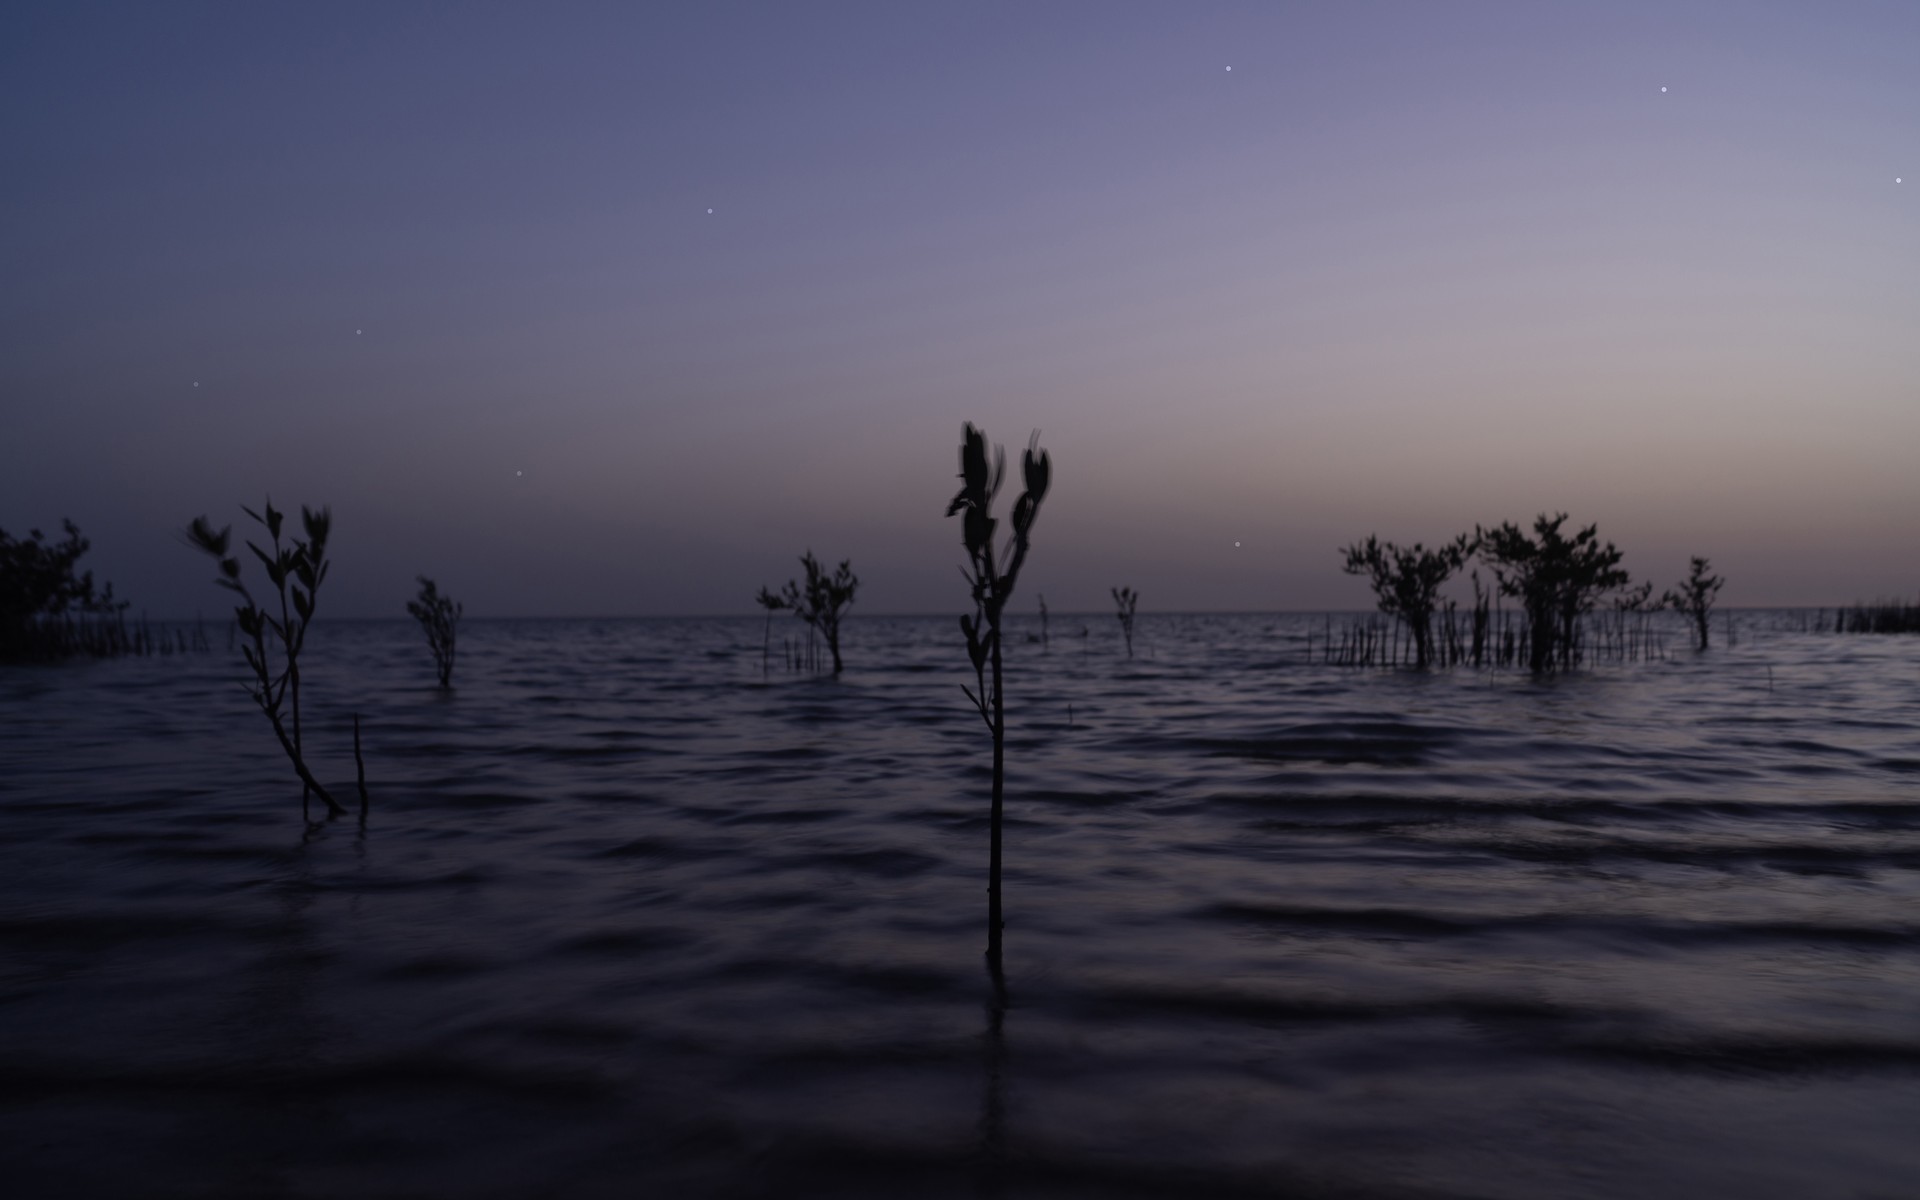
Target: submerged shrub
1406,583
1556,578
821,603
439,617
272,649
991,573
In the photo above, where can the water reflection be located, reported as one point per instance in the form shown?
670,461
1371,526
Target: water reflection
992,1166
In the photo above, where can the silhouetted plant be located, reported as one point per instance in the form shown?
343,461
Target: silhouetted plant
40,597
1626,634
822,603
296,571
1482,620
1556,579
1694,597
1125,601
1406,583
772,604
991,573
439,616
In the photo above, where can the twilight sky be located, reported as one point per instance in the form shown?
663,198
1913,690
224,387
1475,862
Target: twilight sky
588,309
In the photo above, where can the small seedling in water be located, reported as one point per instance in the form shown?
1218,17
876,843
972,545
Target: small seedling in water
296,571
991,574
439,616
1127,600
1694,597
822,603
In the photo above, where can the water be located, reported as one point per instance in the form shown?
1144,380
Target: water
630,919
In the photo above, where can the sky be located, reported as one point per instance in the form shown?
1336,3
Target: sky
616,309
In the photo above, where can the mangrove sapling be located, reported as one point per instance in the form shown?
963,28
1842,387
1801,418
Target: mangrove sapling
1126,600
1694,597
439,616
821,603
991,573
296,571
1406,583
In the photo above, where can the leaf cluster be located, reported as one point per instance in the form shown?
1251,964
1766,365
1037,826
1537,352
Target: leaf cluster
991,571
295,568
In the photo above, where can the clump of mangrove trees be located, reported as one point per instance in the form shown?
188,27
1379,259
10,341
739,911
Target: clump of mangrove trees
48,609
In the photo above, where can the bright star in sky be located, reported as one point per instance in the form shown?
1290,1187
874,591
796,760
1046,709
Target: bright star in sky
1663,89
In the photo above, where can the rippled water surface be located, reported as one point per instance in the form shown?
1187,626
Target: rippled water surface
631,919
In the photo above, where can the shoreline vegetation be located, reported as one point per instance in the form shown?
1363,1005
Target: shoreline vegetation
1880,616
50,613
1574,606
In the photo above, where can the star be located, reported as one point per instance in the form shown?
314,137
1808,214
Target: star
196,382
518,474
709,212
1229,68
1236,545
1663,89
357,332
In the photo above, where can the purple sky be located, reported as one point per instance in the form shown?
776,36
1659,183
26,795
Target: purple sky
1403,268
